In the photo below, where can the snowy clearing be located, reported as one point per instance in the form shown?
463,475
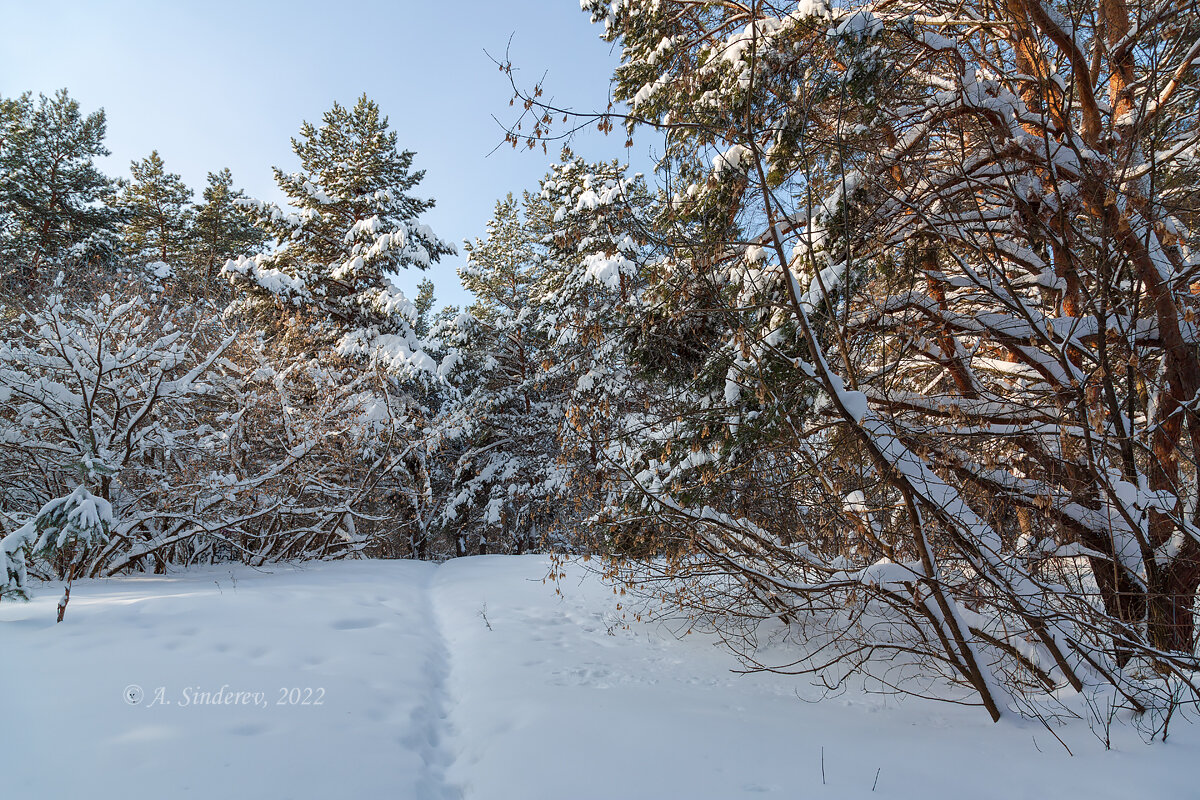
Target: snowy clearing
473,679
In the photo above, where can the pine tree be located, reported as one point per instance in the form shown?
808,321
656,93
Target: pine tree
506,474
338,329
222,229
55,200
68,530
908,267
355,224
500,269
156,206
424,304
586,222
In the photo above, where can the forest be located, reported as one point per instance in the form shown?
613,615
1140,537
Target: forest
894,346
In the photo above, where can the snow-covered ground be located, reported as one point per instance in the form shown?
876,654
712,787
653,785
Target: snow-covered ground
394,679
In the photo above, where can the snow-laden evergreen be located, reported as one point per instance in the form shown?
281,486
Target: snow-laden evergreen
155,205
55,204
893,260
351,223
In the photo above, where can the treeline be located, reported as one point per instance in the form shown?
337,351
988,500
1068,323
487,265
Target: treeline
58,212
190,383
899,352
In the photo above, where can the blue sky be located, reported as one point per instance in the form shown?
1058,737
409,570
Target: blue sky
226,84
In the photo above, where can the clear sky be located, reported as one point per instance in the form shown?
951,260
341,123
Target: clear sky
215,83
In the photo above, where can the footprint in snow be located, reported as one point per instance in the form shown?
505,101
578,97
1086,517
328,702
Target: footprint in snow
249,729
354,624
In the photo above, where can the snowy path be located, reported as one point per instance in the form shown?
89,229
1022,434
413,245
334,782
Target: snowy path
431,727
474,680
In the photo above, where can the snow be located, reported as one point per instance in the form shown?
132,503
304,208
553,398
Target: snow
809,8
855,404
160,269
607,270
860,23
87,516
474,679
272,280
735,158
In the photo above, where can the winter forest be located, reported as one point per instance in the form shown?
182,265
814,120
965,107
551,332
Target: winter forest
881,373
